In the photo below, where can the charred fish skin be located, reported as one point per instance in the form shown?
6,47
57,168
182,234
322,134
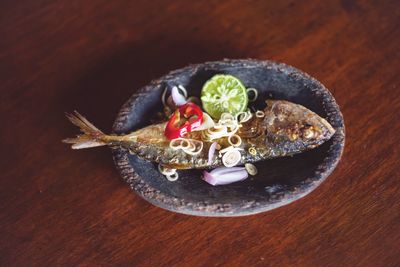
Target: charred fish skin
283,129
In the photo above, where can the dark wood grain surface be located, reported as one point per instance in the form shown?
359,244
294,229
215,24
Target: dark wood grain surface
64,207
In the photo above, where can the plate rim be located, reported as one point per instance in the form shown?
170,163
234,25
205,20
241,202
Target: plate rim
202,208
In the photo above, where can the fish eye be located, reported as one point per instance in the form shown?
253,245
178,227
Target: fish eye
308,133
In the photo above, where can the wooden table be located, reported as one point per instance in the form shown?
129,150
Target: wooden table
64,207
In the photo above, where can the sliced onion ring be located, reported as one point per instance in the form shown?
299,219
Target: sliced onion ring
255,94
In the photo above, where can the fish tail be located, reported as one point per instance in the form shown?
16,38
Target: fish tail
91,137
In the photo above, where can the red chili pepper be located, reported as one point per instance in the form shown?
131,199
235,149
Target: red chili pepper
185,119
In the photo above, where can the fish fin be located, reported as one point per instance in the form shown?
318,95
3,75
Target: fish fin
91,136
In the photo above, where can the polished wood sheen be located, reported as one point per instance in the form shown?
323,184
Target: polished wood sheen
60,207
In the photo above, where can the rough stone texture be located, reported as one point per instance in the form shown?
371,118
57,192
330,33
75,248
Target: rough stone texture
279,182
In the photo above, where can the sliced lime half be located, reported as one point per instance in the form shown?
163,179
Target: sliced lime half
224,93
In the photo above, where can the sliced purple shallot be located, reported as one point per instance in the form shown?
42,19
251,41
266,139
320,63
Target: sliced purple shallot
225,175
178,98
211,152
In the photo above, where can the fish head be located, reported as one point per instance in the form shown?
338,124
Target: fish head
293,127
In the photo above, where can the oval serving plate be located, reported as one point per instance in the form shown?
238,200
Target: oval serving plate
278,182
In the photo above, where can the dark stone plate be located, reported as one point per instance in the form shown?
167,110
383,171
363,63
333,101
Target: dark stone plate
279,181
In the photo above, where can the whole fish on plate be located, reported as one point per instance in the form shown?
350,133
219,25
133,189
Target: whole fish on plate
282,129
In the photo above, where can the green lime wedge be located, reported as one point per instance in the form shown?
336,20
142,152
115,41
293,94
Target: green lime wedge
224,93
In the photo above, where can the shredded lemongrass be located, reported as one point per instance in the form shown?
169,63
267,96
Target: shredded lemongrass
172,177
226,117
192,147
260,114
175,143
251,169
164,170
235,140
185,144
197,150
255,94
169,173
227,126
231,158
244,116
253,151
189,146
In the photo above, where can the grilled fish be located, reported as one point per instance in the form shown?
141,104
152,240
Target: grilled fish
285,129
